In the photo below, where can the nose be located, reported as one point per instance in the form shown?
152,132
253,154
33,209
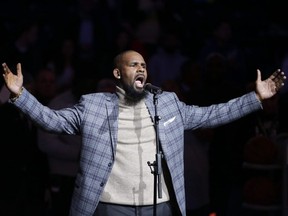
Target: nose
141,69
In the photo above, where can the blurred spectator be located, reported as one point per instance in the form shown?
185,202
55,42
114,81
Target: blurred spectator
215,84
25,47
228,140
45,87
222,41
4,95
147,34
121,40
261,146
106,85
197,181
89,28
166,62
283,115
191,81
23,166
63,59
173,86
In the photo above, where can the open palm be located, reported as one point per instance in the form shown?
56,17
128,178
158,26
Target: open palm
268,88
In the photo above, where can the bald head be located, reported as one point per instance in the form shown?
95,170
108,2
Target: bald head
120,58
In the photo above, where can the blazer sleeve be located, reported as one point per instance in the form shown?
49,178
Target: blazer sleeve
218,114
65,121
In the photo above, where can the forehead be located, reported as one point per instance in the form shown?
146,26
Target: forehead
133,57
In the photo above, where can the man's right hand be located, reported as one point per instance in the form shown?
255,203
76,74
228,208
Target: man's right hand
13,82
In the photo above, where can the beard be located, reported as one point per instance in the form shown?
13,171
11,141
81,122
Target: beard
132,96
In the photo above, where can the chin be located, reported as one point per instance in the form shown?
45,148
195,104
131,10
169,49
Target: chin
138,89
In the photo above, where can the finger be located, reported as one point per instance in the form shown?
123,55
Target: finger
277,75
278,86
19,70
280,77
5,68
258,75
280,83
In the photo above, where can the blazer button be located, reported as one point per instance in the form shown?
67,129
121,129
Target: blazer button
109,164
102,184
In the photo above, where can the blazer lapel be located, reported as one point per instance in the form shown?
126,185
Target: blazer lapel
112,109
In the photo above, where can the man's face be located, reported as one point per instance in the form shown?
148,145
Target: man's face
133,71
133,75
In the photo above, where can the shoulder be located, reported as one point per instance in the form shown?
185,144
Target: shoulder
166,97
169,95
98,97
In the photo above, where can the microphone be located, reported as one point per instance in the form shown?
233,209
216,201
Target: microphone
153,89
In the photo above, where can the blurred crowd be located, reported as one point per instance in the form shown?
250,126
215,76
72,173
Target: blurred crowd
207,51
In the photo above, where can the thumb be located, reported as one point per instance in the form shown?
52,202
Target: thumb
258,76
19,70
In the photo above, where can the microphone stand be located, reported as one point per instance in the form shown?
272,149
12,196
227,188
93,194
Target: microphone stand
157,171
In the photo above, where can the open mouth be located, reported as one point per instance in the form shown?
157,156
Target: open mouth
139,81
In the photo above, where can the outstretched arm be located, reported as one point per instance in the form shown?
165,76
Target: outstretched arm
267,88
14,82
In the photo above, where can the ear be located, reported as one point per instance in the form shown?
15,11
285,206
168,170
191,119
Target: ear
116,73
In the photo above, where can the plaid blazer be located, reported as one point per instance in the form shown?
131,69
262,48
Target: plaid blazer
95,117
